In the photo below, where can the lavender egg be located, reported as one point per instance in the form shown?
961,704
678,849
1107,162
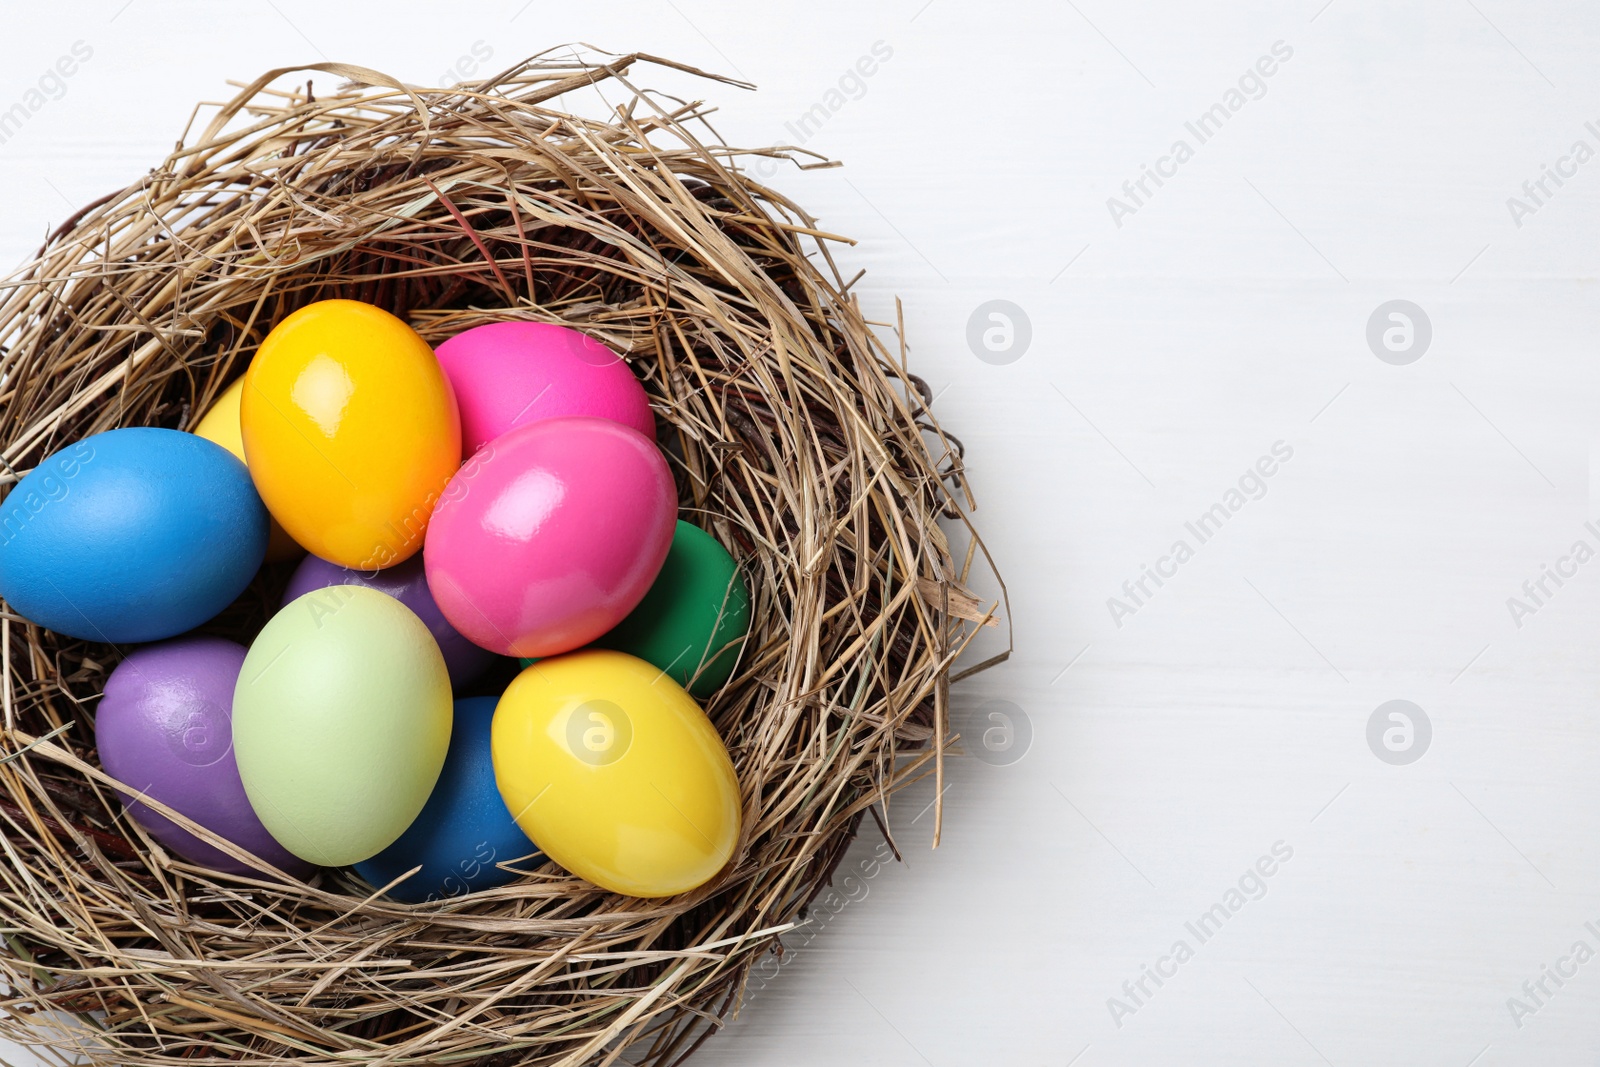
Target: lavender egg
408,584
165,729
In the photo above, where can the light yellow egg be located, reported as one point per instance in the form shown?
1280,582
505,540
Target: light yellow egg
220,425
615,772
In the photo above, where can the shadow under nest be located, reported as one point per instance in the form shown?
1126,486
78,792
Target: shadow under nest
795,436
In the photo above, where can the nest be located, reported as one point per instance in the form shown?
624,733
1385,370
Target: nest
797,437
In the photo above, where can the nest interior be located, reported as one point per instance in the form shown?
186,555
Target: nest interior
796,435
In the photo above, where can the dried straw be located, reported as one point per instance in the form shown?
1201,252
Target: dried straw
797,438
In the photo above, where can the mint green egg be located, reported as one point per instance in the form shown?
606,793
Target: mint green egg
341,722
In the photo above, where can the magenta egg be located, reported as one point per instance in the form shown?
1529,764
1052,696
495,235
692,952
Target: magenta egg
165,729
550,535
508,374
407,583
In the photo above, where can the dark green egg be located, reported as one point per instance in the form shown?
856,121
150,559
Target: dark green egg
694,619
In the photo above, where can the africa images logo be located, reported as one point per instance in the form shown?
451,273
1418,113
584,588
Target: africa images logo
1252,85
51,85
1251,885
1251,485
599,732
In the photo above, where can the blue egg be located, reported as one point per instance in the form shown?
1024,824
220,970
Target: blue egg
135,534
464,829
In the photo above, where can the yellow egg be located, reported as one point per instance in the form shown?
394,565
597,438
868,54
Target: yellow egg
616,774
351,431
221,426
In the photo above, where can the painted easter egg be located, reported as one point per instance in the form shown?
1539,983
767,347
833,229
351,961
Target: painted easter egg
134,534
341,721
351,432
221,426
506,374
616,773
549,535
164,728
407,583
694,619
464,831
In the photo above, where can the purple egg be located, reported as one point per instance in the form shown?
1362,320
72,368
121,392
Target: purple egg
407,583
165,729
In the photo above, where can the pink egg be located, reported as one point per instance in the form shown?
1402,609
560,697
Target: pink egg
550,535
508,374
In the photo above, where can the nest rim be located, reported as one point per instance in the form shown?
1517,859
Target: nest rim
774,392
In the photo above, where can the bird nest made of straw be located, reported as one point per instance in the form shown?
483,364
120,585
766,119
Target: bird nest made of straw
796,435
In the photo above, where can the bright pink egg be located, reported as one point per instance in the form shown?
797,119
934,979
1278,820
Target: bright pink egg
550,535
508,374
